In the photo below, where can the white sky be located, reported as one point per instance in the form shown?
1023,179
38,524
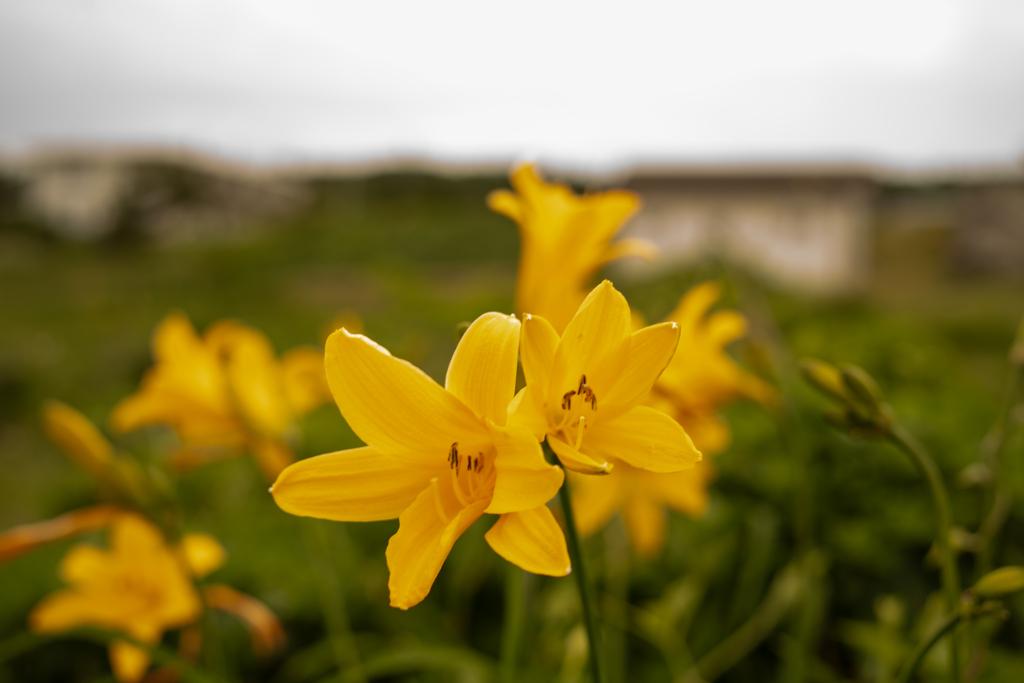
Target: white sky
909,83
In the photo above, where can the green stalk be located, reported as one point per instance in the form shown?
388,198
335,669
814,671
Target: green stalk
515,618
943,518
579,570
339,631
925,645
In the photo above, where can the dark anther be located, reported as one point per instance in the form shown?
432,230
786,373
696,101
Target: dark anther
583,384
453,457
567,400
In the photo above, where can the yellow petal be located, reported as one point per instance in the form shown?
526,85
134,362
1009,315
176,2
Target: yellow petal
427,530
539,342
524,478
77,437
594,344
527,410
265,629
257,383
482,372
685,492
84,564
725,327
709,432
504,202
132,535
357,485
532,540
630,246
305,381
128,661
63,610
650,350
595,500
203,553
695,304
272,456
645,523
644,438
26,537
394,406
576,461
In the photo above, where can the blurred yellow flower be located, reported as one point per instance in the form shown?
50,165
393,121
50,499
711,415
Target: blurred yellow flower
224,393
583,389
139,587
437,458
564,240
641,497
702,377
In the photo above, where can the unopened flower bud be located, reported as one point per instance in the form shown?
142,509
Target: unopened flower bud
825,377
1002,581
861,387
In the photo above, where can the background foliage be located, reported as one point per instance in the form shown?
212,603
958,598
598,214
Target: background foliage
414,256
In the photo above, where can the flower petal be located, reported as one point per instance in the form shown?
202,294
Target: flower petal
426,533
595,343
539,343
644,438
645,523
129,662
650,350
576,461
482,372
84,564
630,246
596,499
305,381
527,410
77,437
357,485
203,553
685,492
524,478
532,540
394,406
256,382
63,610
272,456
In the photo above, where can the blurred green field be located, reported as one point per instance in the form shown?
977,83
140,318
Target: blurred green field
414,256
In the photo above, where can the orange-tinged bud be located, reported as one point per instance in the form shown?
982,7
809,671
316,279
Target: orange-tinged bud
21,539
79,438
266,631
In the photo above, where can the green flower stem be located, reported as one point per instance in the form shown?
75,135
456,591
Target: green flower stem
925,645
339,631
515,618
579,570
943,518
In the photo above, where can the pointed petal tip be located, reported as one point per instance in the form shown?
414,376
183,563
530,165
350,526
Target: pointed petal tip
568,570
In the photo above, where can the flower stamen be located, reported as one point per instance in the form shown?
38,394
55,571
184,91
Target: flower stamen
579,432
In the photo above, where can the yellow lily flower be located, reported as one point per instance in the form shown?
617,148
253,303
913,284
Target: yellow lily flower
583,389
437,458
641,497
224,393
564,240
702,377
139,587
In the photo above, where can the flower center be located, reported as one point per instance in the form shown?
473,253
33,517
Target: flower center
473,473
577,405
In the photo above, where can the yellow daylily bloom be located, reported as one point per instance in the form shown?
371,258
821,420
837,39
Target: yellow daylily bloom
225,392
564,240
584,389
138,587
437,458
702,377
641,497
